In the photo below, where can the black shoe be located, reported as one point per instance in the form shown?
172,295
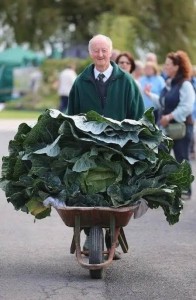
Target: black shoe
108,239
117,255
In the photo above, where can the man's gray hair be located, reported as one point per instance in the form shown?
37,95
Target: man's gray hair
101,36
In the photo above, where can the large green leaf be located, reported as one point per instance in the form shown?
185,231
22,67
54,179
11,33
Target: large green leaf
98,179
84,163
120,140
35,207
140,151
23,130
8,163
148,119
50,150
40,165
182,176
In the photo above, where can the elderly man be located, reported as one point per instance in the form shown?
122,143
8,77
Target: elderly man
104,87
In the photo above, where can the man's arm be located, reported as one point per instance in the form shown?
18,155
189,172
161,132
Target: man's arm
136,108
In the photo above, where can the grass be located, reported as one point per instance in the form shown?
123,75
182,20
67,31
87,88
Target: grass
27,108
19,114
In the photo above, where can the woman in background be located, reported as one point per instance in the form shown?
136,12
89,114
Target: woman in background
129,65
153,81
192,147
126,62
176,100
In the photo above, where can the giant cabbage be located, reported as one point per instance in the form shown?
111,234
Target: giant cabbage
89,160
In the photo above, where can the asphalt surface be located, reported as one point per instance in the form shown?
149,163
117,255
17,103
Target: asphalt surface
35,262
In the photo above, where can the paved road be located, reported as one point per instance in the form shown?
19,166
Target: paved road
35,263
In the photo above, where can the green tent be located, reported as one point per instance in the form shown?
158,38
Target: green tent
10,59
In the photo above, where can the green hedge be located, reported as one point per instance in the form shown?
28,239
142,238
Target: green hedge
52,67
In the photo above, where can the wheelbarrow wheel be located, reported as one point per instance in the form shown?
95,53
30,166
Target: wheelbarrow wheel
96,247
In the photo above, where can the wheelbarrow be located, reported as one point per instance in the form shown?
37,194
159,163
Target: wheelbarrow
96,219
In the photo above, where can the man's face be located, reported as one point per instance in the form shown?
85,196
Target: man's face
100,54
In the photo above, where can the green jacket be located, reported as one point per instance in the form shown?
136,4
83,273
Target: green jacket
123,100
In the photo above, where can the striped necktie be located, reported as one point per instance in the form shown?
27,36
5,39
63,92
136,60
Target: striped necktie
100,77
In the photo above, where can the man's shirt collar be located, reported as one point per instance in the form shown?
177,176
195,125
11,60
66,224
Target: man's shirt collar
107,72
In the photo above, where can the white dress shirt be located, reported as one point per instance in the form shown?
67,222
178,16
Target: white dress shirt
107,73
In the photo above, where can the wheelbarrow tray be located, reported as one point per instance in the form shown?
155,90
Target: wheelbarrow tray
92,216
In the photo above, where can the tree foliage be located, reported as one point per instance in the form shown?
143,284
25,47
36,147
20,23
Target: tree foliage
159,26
30,19
167,26
125,37
82,13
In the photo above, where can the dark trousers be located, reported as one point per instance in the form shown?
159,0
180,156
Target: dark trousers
156,115
182,147
63,103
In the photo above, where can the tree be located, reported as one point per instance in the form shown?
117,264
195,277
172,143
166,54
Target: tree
125,37
32,21
84,14
177,23
151,25
166,26
36,21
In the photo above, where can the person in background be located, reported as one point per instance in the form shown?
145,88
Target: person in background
176,101
193,77
126,62
192,146
2,105
65,82
151,57
153,81
106,89
138,72
36,77
115,53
